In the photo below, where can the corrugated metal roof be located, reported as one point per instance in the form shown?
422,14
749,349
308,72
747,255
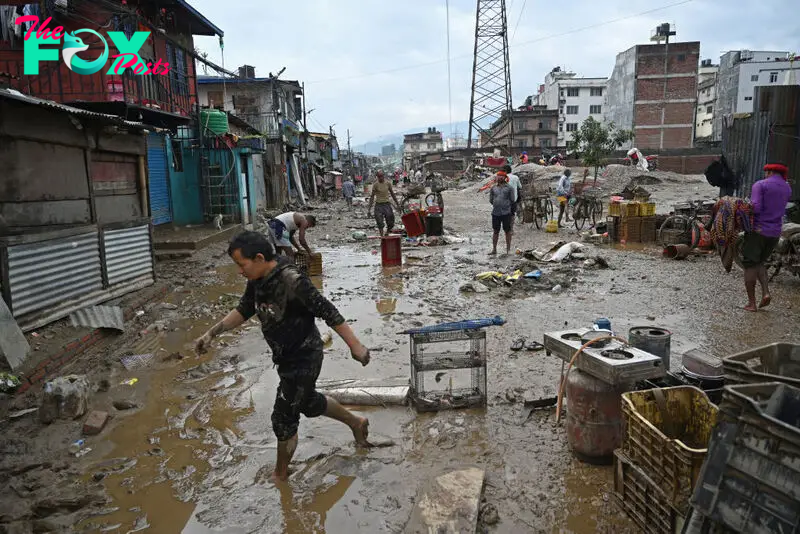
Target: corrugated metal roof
99,317
13,94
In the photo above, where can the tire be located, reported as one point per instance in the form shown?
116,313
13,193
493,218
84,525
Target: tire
580,214
696,233
549,210
675,221
520,216
597,211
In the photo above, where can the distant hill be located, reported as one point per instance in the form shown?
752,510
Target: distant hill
374,147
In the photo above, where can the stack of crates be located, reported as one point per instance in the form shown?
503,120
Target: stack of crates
663,449
630,229
648,232
460,356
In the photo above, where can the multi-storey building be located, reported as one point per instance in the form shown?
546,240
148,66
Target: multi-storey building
706,99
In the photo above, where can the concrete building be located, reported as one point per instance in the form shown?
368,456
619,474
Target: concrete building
417,144
653,91
535,127
454,142
740,72
388,150
575,99
706,99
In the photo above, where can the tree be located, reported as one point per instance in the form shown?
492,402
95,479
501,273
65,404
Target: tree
594,141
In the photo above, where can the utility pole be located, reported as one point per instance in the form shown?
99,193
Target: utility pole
349,156
305,142
491,73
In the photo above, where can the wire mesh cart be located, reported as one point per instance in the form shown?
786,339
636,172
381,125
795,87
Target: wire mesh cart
448,370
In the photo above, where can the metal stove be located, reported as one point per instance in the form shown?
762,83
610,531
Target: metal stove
614,363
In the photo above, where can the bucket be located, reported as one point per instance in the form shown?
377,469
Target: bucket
413,223
677,252
602,323
434,225
391,251
656,341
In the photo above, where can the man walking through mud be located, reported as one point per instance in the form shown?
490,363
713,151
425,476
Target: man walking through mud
287,303
769,198
384,213
501,197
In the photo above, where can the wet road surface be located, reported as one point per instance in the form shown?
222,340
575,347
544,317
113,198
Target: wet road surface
203,446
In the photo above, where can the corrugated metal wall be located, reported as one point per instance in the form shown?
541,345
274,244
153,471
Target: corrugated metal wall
770,134
50,272
128,254
158,179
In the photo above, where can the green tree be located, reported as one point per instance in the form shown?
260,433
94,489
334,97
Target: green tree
595,141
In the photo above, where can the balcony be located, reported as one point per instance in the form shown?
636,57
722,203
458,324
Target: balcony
149,98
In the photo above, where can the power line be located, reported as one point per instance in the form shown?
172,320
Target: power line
449,84
518,45
519,18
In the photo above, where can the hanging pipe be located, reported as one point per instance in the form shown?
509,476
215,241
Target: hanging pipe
571,361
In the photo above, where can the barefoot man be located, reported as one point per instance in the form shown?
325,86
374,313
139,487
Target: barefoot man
286,303
769,198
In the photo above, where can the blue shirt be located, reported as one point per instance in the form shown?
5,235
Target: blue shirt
349,189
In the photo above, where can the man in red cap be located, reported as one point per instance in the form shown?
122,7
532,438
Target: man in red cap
769,198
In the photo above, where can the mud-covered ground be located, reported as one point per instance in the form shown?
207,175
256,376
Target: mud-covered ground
196,454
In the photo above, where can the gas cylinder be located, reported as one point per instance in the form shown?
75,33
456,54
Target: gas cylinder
594,417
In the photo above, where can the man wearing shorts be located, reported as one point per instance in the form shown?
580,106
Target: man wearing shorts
287,303
384,214
564,192
769,198
286,226
501,197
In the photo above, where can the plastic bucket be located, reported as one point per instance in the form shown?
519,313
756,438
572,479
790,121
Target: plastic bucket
434,225
677,252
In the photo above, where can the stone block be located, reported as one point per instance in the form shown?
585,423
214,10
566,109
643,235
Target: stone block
14,348
95,423
66,397
448,503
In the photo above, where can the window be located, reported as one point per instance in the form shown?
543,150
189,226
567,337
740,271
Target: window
572,126
595,110
560,127
681,57
521,125
748,98
561,92
754,78
544,143
773,77
521,143
710,109
177,155
431,146
572,110
573,91
596,91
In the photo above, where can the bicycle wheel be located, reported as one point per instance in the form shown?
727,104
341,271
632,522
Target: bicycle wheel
598,208
581,214
521,207
675,230
549,211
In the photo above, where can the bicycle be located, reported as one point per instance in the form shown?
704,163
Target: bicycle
588,206
687,227
539,206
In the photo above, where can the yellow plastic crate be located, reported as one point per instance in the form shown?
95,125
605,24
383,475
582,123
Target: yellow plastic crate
647,209
311,266
669,447
615,209
629,209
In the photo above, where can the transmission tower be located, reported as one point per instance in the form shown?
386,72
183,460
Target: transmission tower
491,71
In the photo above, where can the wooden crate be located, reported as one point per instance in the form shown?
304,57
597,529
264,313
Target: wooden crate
648,230
311,266
630,229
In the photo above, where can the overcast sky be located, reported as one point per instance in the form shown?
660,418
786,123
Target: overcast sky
380,66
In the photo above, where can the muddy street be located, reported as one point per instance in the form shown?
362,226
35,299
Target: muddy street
195,452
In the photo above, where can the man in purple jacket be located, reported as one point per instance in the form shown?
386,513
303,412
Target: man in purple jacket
769,198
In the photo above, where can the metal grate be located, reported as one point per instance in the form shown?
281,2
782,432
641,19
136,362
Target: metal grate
220,185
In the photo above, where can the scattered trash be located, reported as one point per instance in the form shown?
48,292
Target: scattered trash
169,306
499,277
533,346
557,289
83,452
9,383
534,274
65,397
76,446
129,382
21,413
471,324
327,339
139,313
137,361
518,344
359,235
564,253
489,515
34,334
99,317
474,287
369,395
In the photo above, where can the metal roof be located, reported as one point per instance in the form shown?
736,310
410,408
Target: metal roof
199,16
202,79
13,94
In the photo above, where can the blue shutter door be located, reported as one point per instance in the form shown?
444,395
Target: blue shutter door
160,206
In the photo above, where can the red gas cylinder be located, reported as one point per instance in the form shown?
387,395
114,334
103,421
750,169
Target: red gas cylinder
594,417
391,251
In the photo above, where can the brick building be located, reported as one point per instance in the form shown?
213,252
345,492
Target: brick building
653,91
